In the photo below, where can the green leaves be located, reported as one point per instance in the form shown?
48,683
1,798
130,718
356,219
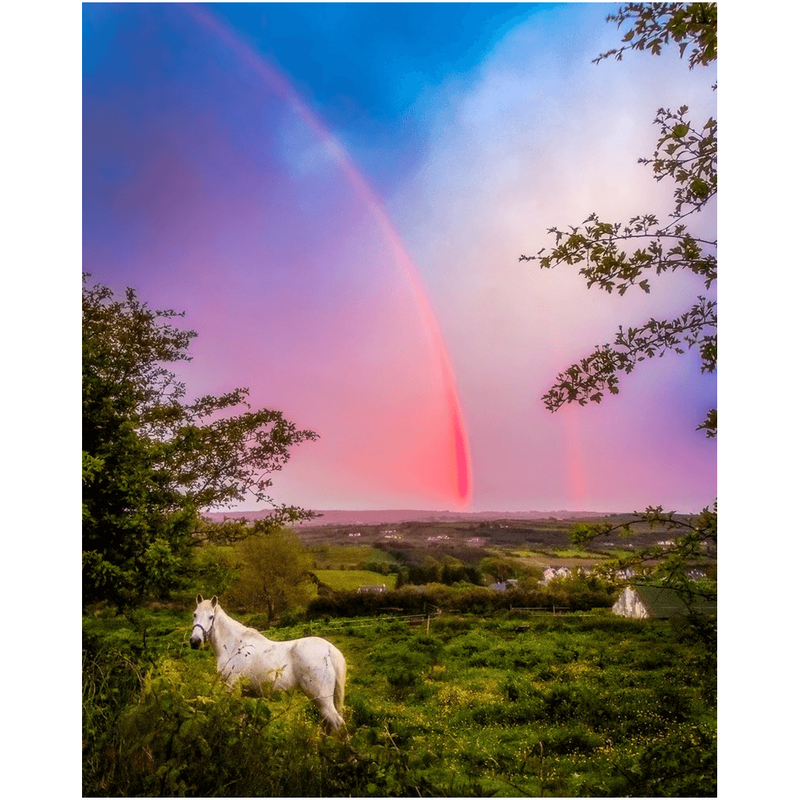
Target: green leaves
603,249
274,573
688,156
591,377
655,25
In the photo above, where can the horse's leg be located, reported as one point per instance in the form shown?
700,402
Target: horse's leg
321,690
332,720
317,674
340,668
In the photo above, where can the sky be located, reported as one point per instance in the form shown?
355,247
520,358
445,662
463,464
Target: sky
337,196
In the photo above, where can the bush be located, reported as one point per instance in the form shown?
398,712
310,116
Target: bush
187,736
405,663
668,767
215,570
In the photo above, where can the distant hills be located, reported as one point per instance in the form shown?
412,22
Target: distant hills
381,517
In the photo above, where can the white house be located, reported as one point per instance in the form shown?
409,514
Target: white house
376,588
551,573
658,602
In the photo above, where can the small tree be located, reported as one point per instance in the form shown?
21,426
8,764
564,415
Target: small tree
152,462
275,572
498,569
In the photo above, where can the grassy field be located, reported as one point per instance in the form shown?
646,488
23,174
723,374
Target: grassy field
507,705
350,579
347,556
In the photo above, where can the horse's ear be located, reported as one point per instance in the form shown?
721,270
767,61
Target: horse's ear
214,601
198,599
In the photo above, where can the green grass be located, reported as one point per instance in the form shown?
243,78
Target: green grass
350,579
345,556
571,706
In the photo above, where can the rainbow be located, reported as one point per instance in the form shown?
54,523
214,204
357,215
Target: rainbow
278,83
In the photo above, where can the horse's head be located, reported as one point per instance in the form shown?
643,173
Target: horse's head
203,620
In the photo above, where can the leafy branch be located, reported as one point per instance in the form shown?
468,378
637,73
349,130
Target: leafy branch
688,156
657,24
669,562
608,264
591,377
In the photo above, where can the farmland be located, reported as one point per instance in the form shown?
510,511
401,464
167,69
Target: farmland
483,698
347,580
509,705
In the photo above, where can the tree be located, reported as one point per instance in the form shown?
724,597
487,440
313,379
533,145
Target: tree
151,461
498,568
275,574
616,256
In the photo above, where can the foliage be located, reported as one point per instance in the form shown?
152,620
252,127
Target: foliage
404,663
498,568
215,569
617,256
656,24
572,706
446,569
275,572
577,594
352,603
152,461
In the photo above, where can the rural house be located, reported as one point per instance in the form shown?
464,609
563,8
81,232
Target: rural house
378,588
657,602
552,573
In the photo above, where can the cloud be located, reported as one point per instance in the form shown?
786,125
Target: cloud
543,137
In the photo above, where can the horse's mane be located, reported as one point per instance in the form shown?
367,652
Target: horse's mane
238,627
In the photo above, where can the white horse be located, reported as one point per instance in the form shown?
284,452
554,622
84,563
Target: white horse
311,664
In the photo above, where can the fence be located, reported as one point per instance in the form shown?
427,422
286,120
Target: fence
413,620
540,611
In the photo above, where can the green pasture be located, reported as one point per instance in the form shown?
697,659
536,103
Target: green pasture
504,705
347,556
562,557
351,579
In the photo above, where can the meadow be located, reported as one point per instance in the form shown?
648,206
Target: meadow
502,704
348,580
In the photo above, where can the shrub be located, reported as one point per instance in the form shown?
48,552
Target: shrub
188,736
676,765
215,570
404,663
362,712
572,737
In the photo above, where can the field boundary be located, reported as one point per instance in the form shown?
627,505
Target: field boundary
357,622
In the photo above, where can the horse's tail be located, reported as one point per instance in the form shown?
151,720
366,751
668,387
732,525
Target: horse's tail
341,674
